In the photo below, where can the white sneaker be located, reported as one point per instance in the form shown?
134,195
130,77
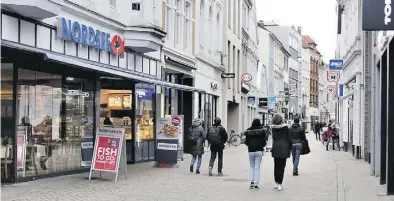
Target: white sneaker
276,185
280,188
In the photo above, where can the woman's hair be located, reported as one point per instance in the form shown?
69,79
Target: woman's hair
256,123
277,119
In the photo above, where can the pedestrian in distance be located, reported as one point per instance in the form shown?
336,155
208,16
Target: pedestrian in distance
316,129
217,138
268,137
196,138
298,137
282,145
255,139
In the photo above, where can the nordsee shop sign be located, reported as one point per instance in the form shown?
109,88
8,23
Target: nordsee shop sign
87,35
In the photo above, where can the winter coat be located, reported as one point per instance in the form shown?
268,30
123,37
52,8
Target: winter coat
223,138
297,133
255,139
318,126
196,129
282,141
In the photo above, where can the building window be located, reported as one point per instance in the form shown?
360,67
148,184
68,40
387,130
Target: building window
218,32
210,27
112,3
168,20
136,6
235,17
229,14
202,9
187,27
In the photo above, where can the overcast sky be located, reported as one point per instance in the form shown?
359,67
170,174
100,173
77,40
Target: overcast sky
316,17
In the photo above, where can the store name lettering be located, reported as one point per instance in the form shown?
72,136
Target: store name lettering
387,12
82,34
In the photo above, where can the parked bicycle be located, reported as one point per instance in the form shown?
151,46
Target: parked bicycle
234,139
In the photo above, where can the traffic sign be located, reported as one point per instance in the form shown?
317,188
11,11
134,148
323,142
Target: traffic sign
333,76
336,64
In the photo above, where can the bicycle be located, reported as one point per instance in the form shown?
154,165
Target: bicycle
234,139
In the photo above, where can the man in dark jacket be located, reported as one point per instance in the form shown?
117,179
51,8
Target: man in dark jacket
298,136
255,139
317,128
217,138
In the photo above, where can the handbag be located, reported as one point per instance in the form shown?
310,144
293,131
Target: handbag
305,148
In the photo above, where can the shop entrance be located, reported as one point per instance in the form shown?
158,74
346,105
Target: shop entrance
116,110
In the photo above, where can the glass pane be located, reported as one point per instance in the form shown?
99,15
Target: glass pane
144,112
6,119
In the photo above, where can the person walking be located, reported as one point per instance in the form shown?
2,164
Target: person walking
298,137
196,139
268,137
282,145
316,129
255,139
217,138
329,135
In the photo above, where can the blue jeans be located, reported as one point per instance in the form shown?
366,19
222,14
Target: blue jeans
255,161
296,152
198,161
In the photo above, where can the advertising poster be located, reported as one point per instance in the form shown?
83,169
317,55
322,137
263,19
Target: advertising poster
21,148
107,153
169,128
108,149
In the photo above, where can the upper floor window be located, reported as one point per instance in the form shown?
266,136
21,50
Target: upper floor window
218,32
112,3
202,10
210,26
229,13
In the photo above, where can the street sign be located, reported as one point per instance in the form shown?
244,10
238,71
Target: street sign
335,64
333,76
228,75
331,89
272,100
246,77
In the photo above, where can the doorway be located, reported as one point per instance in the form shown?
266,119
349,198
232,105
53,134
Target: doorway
116,109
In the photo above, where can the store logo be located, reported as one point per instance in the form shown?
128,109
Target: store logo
387,12
176,121
246,77
82,34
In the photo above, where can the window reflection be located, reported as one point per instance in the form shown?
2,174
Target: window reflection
54,112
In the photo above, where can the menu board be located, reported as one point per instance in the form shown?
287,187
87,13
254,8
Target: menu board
119,101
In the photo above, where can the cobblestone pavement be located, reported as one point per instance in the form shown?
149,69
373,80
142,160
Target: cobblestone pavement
324,176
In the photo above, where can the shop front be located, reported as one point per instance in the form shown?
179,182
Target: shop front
56,90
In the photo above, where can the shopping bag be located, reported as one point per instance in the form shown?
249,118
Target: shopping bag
305,148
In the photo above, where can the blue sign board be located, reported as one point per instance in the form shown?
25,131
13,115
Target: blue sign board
340,90
336,64
251,100
272,100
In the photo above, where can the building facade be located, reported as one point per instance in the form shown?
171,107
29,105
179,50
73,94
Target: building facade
314,61
306,65
83,63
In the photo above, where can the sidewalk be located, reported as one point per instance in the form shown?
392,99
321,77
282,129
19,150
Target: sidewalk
324,176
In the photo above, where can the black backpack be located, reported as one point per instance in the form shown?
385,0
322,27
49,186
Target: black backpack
192,137
214,135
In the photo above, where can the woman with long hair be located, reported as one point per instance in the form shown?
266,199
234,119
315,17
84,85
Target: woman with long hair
255,140
281,149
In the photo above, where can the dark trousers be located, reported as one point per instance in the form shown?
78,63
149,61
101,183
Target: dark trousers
213,158
317,133
279,169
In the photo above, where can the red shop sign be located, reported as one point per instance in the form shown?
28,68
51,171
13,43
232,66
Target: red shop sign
107,153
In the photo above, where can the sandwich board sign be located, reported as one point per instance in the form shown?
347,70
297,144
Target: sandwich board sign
109,151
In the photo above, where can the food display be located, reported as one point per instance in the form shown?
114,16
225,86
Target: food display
170,130
127,101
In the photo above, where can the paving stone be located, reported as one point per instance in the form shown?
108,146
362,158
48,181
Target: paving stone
324,176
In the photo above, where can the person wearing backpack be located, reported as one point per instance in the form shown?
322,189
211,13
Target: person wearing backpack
256,141
217,138
196,139
298,137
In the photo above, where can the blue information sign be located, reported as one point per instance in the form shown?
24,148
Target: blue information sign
336,64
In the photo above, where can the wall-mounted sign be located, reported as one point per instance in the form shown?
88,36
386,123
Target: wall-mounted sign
86,35
331,89
246,77
272,100
228,75
377,15
213,86
333,76
335,64
245,88
251,100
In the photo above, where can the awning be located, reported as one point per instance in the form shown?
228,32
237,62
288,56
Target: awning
124,73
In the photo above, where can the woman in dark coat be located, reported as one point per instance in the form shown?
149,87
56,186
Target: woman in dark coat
197,137
281,149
